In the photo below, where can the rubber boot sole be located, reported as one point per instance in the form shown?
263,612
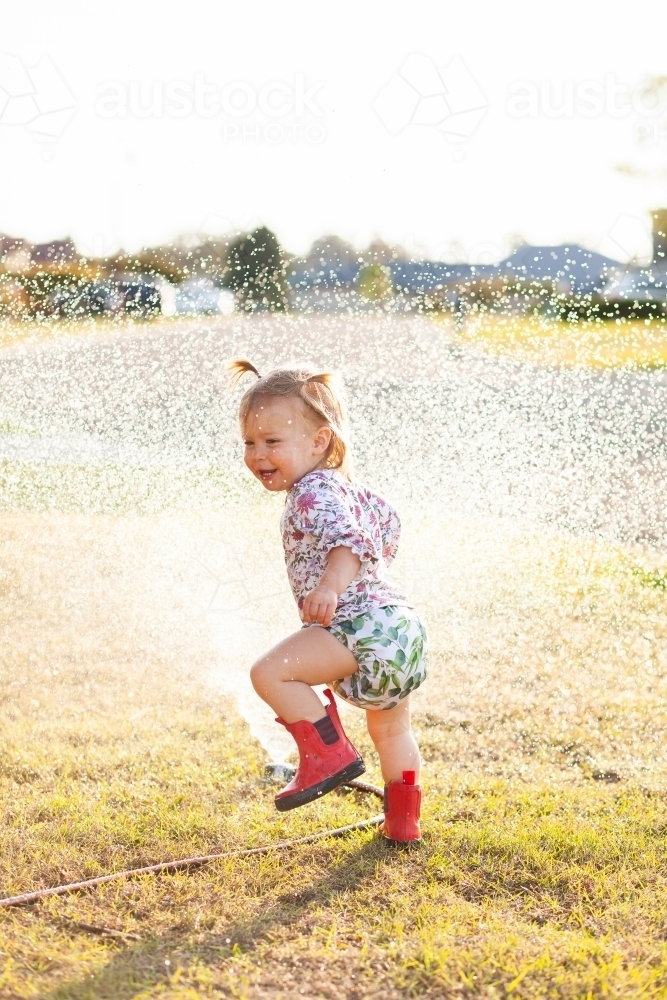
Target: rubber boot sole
391,842
306,795
401,844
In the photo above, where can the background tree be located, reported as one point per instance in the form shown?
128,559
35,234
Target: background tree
375,282
256,271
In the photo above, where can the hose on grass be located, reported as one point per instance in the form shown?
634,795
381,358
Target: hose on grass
205,859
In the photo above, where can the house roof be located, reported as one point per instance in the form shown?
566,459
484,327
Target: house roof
578,269
54,252
635,284
567,263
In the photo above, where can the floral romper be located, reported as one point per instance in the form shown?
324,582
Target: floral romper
373,618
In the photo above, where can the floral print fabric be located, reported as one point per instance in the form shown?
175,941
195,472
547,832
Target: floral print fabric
390,647
323,511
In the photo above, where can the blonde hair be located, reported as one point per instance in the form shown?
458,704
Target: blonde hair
321,392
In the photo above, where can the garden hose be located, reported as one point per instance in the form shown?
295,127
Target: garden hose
205,859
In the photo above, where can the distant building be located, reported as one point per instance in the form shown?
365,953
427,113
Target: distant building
8,244
56,252
326,279
571,267
639,290
659,217
17,256
17,260
568,268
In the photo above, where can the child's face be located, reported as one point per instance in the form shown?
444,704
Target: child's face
281,444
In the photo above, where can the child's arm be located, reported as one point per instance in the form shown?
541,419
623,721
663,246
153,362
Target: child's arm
320,604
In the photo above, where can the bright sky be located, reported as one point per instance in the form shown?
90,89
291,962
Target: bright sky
306,117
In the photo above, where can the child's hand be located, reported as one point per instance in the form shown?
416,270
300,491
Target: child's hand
321,603
319,606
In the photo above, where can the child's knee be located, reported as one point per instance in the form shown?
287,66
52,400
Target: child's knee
259,676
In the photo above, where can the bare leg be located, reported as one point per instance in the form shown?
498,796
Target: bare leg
282,677
394,742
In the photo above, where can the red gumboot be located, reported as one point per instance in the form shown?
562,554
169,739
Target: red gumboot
327,759
402,803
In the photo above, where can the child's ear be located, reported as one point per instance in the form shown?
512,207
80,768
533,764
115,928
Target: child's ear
322,440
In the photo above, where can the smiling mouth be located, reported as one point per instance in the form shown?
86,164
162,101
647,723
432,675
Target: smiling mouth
266,474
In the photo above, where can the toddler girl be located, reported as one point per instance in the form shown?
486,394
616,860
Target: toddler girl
360,634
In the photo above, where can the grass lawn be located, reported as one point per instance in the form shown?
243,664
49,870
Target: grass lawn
517,890
535,340
586,343
543,868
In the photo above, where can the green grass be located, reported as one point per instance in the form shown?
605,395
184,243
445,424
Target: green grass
515,891
648,578
543,868
621,343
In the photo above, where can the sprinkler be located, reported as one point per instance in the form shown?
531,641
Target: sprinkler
280,772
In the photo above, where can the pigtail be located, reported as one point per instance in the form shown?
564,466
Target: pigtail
324,378
323,392
333,395
237,368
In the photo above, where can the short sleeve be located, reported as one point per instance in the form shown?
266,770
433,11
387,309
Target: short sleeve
390,527
336,519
